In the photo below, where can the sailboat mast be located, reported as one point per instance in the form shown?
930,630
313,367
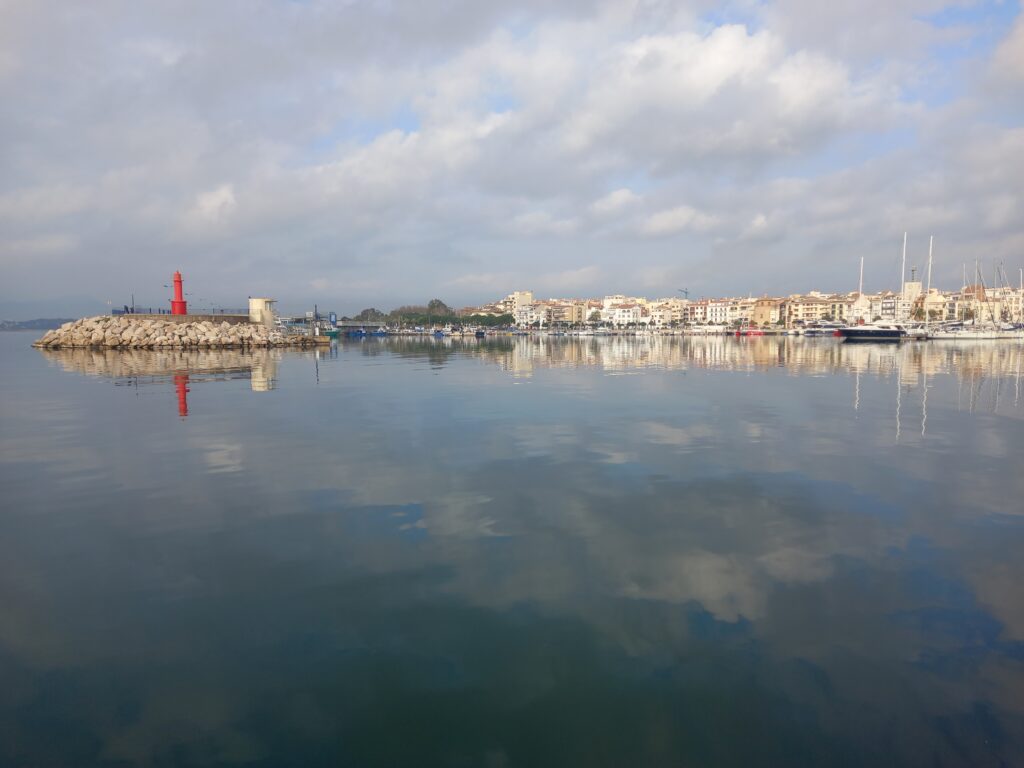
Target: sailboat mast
903,280
860,285
931,239
928,290
903,266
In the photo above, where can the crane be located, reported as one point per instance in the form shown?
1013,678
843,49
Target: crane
685,292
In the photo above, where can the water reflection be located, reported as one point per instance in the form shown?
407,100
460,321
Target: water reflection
521,355
182,368
509,553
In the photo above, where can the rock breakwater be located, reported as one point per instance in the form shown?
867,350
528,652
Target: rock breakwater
134,332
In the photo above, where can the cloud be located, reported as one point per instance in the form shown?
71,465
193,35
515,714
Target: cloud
38,246
541,223
678,219
1008,60
383,149
663,100
614,202
215,205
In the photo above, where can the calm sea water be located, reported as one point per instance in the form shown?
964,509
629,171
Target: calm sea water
619,552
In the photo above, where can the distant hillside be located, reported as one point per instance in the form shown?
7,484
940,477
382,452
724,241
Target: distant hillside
40,324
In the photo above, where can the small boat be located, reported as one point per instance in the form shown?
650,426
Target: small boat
480,334
888,332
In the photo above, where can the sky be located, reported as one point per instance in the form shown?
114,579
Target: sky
373,154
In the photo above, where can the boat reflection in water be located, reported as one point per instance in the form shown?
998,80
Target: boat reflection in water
796,356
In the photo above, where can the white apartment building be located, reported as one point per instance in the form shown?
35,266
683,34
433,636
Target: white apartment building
621,315
718,311
532,313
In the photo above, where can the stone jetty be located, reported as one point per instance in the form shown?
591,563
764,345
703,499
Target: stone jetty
155,332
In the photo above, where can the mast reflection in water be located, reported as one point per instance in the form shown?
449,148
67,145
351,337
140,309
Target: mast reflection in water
538,552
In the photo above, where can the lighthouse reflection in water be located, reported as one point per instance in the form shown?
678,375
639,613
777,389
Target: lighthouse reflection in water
182,368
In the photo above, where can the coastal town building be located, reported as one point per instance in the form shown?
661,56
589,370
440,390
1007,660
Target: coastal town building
911,303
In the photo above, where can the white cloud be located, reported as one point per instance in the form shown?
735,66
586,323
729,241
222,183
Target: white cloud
216,204
614,202
40,245
664,100
386,151
678,219
542,223
1008,60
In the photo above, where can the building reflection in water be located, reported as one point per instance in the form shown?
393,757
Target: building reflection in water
181,368
520,356
982,368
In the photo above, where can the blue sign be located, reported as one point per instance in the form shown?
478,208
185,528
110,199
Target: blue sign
333,318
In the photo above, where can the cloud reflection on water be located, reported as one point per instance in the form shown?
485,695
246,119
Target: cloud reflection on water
720,561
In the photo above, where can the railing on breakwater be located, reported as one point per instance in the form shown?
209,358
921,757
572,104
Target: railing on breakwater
162,311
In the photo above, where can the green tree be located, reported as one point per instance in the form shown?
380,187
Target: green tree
438,307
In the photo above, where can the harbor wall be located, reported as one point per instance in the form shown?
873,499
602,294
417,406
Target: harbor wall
160,331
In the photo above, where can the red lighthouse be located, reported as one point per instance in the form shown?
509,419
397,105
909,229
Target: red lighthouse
178,302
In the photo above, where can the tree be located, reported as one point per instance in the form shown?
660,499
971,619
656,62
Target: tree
438,307
595,317
370,314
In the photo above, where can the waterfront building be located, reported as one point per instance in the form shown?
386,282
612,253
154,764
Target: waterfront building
859,309
765,312
697,312
565,311
911,302
520,300
718,311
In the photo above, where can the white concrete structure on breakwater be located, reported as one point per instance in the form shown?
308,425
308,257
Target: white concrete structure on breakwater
159,331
